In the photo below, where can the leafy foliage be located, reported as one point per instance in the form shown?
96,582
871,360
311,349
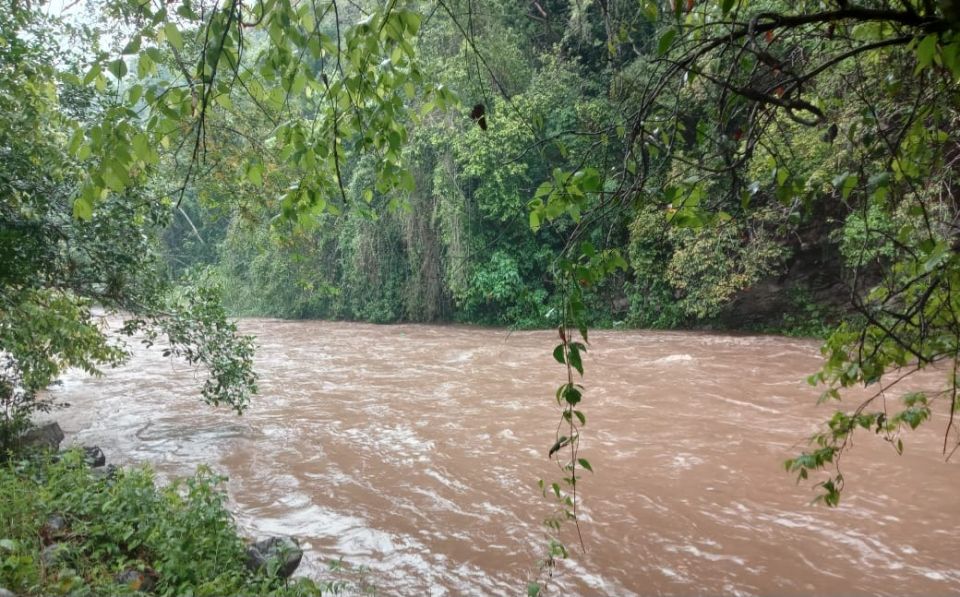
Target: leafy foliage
180,536
62,266
830,113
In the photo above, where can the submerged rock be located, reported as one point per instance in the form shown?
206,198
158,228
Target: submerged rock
94,456
44,437
282,552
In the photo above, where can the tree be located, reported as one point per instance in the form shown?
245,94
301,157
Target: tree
57,268
802,115
838,112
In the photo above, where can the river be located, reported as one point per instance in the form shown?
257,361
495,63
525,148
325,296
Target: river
415,450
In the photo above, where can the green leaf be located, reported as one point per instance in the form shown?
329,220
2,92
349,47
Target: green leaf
925,52
585,464
534,220
782,175
83,208
936,256
544,189
134,94
589,180
846,183
145,66
558,354
572,395
666,40
133,47
173,35
75,140
575,360
186,11
255,174
113,180
92,74
650,10
141,147
154,54
411,21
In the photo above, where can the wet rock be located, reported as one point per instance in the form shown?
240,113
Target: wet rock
105,473
53,555
138,580
94,456
54,527
44,437
282,552
56,523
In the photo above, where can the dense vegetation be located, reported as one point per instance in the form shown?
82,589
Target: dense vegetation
456,244
56,268
67,531
550,162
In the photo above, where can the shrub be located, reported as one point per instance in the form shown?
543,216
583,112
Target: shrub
181,535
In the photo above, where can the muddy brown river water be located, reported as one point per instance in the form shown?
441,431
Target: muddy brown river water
415,450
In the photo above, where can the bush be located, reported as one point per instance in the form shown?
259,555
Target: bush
181,536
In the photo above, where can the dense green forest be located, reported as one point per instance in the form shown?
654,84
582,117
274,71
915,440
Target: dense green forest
456,245
757,165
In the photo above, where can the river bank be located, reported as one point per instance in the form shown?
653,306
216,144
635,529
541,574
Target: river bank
72,524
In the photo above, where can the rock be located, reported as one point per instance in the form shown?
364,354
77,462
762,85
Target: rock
94,456
44,437
53,554
284,551
107,473
54,527
137,580
6,593
56,523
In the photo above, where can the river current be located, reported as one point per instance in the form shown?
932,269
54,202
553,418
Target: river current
415,451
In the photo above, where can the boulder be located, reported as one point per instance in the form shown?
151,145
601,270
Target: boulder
282,552
94,456
44,437
138,580
6,593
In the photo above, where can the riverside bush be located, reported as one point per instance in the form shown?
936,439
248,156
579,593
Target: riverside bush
180,537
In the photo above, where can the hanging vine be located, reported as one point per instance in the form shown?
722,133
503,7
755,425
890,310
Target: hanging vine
576,274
